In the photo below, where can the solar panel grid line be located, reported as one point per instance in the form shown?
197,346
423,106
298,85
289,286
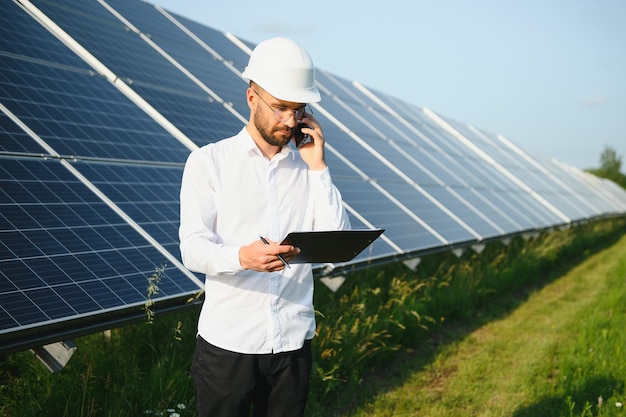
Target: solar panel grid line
368,180
449,160
77,258
397,132
497,165
369,225
385,193
395,169
411,127
104,71
433,133
126,12
168,255
65,38
196,39
351,95
147,194
466,178
234,58
529,209
551,183
229,62
533,175
452,189
489,203
448,172
364,144
405,231
47,62
409,180
437,180
357,214
540,185
574,180
473,208
479,177
362,119
366,91
105,199
406,139
605,190
101,195
391,142
461,174
415,133
410,213
582,183
28,131
162,52
602,189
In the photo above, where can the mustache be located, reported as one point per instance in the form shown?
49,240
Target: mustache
285,129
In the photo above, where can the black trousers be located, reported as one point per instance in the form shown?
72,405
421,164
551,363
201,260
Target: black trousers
230,384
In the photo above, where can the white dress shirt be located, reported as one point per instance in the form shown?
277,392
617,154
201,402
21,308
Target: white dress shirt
230,195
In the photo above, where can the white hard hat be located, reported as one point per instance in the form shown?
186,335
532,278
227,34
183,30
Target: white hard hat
284,69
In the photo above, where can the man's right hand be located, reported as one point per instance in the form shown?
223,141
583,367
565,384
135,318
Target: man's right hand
262,257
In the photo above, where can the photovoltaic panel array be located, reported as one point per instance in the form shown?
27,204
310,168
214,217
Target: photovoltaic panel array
102,101
89,183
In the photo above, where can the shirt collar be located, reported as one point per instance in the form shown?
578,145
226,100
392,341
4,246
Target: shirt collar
247,144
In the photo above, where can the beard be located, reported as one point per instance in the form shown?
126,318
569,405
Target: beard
268,134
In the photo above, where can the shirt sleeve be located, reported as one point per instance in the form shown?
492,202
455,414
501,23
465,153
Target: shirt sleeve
199,246
329,212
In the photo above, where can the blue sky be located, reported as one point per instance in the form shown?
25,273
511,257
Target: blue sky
550,75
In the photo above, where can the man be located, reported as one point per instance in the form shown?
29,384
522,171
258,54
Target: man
239,198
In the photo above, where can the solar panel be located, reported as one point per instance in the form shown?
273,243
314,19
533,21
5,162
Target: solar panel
157,80
66,254
434,160
148,194
102,101
80,114
198,58
529,171
14,139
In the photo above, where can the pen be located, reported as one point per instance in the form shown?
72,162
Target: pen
279,257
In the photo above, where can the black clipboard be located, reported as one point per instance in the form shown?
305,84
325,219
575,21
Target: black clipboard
330,246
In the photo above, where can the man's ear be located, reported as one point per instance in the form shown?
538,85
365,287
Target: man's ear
249,99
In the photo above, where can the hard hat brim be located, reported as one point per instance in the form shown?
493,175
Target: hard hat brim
295,95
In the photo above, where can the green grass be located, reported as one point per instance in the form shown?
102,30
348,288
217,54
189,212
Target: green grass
533,328
555,355
138,368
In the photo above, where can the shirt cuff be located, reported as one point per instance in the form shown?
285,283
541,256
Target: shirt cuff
231,259
323,176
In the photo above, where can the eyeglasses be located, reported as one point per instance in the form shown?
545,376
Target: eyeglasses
283,114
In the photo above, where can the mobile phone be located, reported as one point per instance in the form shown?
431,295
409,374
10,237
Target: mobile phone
299,136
